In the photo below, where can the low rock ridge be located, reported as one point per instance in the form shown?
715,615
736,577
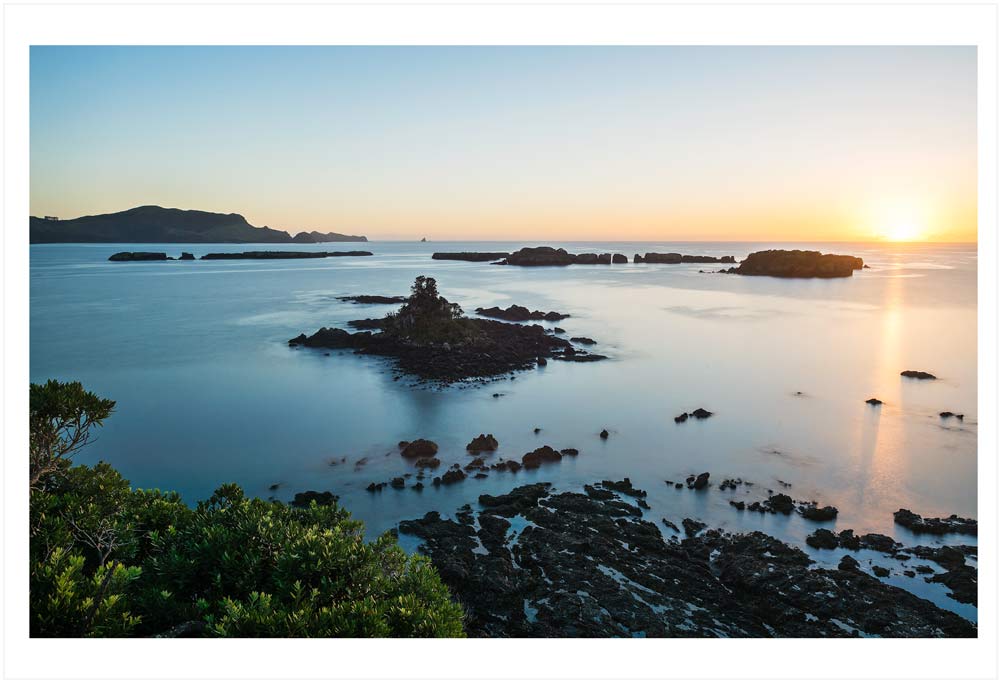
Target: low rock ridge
476,256
281,255
671,257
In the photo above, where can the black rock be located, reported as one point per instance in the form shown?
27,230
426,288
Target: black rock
917,374
483,442
822,538
797,263
873,402
818,514
418,448
935,525
604,434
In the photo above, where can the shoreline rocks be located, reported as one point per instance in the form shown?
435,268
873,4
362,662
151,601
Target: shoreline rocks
797,263
532,582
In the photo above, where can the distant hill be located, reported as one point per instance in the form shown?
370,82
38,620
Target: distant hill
156,224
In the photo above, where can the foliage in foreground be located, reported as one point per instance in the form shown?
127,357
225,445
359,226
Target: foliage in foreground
110,560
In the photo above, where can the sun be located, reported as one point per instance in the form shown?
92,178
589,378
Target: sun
899,221
903,232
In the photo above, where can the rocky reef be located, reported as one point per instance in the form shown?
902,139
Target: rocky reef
539,563
798,263
671,257
431,338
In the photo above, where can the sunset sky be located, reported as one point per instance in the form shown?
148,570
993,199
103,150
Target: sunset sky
657,143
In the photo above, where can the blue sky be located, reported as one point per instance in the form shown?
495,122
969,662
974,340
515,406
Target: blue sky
590,142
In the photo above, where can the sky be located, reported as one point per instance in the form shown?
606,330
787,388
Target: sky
477,143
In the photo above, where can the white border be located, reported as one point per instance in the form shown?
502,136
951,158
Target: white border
219,24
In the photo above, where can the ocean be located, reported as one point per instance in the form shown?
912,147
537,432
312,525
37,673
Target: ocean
208,390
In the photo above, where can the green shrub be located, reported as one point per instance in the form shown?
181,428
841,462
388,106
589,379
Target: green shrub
109,560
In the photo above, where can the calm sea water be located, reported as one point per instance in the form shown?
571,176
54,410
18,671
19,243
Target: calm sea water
196,355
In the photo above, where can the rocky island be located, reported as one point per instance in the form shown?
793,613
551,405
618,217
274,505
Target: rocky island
431,338
797,263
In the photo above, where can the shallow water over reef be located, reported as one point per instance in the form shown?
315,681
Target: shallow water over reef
208,391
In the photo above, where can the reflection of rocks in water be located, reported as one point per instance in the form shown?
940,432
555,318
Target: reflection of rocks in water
582,565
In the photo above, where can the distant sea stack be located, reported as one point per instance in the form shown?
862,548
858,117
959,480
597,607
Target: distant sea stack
155,224
796,263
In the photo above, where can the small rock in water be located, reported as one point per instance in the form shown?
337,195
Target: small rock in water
397,483
699,482
604,433
418,448
818,514
537,429
873,402
946,414
569,451
273,487
917,374
483,442
701,414
880,572
681,418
